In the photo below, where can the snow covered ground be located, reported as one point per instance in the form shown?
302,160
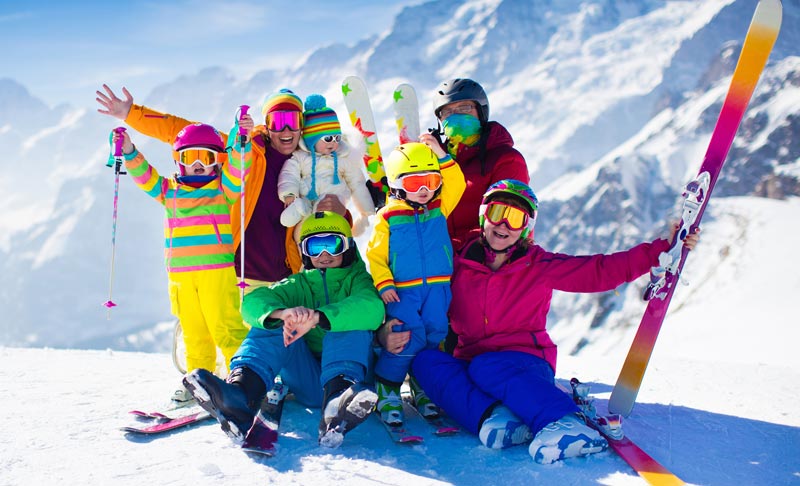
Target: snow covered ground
710,423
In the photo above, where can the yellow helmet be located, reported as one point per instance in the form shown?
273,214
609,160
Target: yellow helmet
409,158
325,222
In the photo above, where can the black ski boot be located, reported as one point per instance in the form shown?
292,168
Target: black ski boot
345,405
233,403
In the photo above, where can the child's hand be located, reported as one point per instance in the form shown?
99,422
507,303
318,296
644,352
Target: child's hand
431,141
304,320
288,200
390,296
127,145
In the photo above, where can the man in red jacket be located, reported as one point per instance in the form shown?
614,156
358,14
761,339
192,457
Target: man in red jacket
483,149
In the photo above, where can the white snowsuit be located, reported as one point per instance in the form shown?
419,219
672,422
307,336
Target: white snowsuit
295,179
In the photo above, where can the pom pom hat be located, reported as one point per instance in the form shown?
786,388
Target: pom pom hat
319,122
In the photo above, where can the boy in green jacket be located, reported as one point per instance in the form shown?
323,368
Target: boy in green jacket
331,304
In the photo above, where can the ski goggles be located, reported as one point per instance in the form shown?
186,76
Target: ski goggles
278,120
331,138
189,157
415,182
332,243
498,213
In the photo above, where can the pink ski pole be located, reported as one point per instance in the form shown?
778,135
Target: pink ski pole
242,140
118,159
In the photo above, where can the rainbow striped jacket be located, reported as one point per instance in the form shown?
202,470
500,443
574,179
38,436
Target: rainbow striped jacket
410,247
197,223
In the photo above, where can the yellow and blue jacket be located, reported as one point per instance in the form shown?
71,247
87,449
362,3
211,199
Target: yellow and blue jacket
410,246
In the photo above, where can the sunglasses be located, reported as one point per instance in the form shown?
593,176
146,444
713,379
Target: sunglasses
278,120
334,244
206,157
498,213
415,182
331,138
465,109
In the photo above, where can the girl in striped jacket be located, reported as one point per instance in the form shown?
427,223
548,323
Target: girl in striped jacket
198,242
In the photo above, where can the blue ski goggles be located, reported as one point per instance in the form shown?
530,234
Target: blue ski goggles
332,243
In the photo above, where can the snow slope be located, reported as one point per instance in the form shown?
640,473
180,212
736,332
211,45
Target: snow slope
706,421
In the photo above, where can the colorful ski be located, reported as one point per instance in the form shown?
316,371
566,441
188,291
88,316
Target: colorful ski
611,428
400,434
406,113
356,99
263,434
755,51
165,425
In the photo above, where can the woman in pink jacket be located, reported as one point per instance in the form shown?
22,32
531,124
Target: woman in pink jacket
499,382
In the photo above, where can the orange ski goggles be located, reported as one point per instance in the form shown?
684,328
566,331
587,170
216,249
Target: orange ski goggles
415,182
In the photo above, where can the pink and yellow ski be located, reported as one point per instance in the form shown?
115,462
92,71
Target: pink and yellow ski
756,49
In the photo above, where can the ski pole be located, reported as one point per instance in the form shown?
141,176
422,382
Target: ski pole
118,159
242,140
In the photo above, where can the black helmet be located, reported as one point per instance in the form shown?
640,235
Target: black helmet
461,89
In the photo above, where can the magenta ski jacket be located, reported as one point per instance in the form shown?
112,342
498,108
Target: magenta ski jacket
507,310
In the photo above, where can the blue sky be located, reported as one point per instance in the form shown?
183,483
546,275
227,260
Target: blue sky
63,51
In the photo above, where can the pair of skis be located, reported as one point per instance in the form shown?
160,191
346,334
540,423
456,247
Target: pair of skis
406,111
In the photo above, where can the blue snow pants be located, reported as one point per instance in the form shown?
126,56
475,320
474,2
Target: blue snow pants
343,353
466,389
423,311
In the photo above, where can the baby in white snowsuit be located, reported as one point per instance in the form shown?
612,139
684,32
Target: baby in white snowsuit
328,166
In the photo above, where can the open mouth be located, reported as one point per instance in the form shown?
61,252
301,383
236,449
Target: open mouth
500,235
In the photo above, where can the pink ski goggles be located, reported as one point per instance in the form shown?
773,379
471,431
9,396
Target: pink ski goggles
278,120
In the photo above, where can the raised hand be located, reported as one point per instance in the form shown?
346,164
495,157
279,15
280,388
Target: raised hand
113,105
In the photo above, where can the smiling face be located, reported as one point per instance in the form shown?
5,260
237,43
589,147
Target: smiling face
499,236
284,141
325,260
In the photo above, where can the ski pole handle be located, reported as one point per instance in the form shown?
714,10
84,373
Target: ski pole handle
242,132
118,142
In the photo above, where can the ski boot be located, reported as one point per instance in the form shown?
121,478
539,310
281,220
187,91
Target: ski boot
345,405
424,405
503,429
390,405
234,403
568,436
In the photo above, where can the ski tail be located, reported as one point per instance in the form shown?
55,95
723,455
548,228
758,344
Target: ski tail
756,49
610,427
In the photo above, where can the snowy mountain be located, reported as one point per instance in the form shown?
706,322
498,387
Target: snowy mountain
611,102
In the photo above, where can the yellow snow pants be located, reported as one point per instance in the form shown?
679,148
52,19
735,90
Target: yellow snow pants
207,304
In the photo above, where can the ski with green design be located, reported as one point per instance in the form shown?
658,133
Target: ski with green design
359,109
756,49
